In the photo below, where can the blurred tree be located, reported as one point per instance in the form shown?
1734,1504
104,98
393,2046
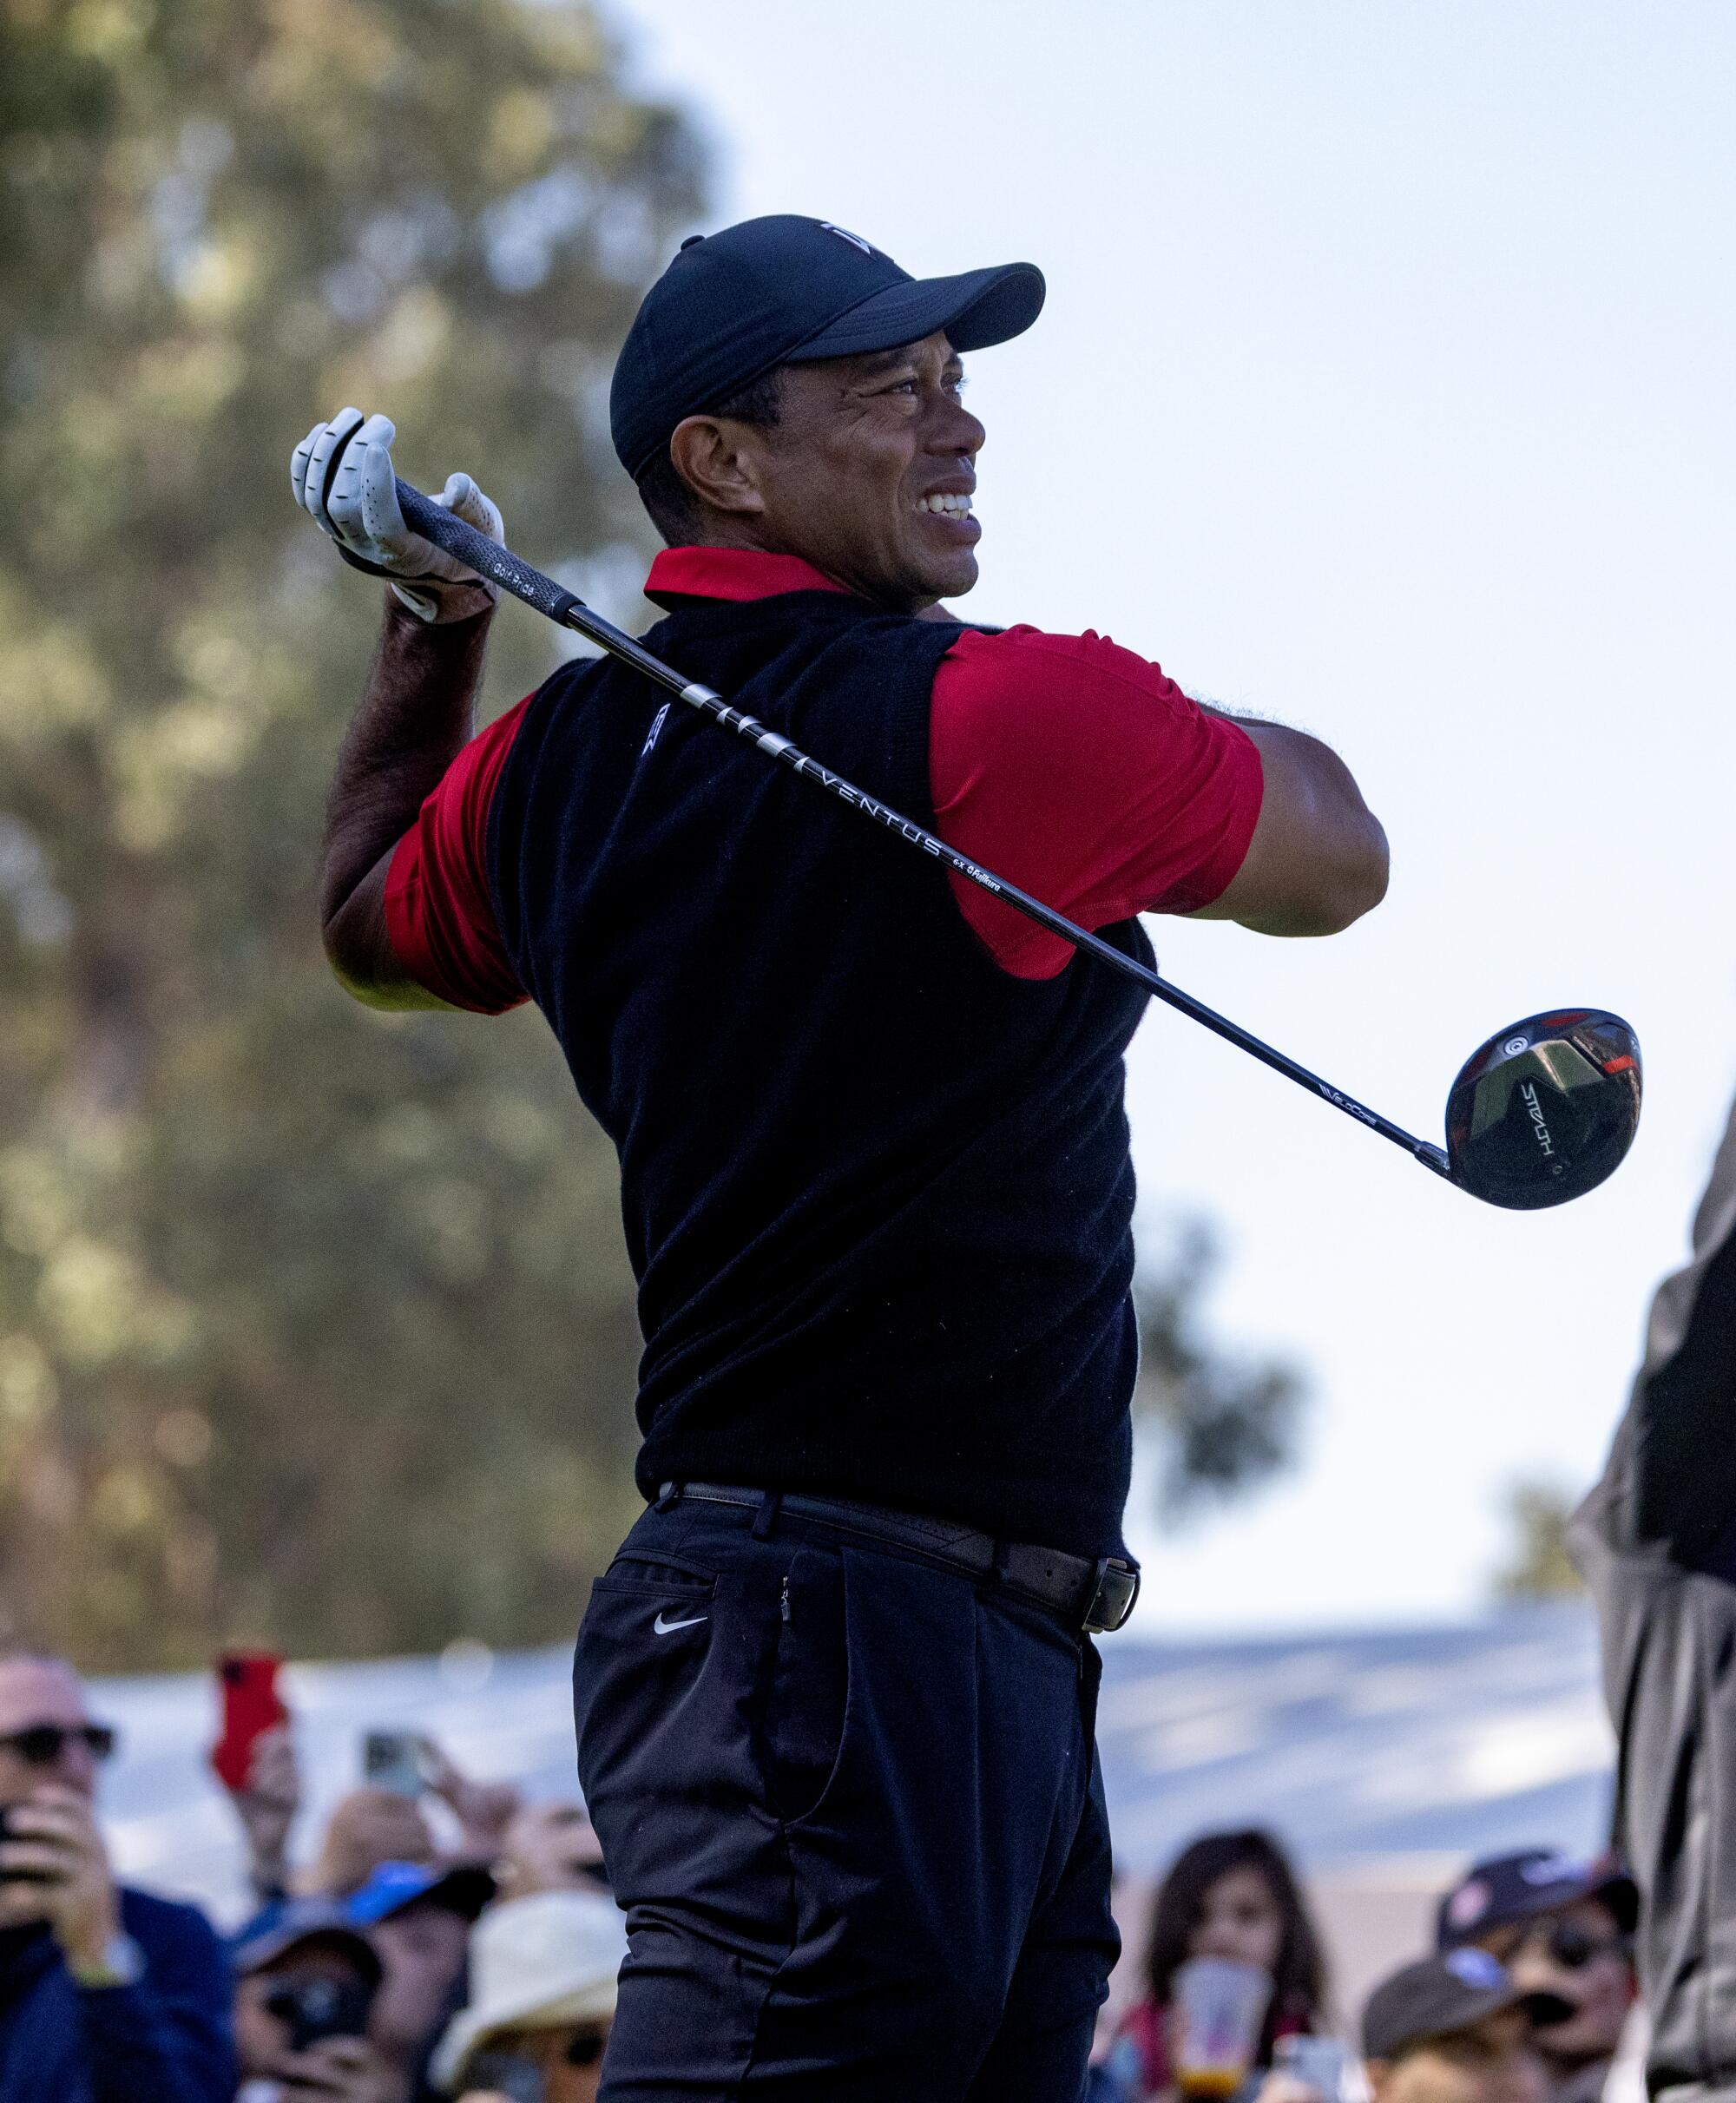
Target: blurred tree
1538,1566
313,1328
1225,1426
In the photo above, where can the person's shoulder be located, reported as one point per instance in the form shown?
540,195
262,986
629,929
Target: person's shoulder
158,1925
1025,655
569,680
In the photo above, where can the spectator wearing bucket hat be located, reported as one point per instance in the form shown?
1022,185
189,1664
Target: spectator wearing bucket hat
418,1920
544,1970
1562,1926
305,1986
1455,2028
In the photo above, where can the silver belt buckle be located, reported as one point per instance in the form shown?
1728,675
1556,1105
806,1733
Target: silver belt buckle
1118,1586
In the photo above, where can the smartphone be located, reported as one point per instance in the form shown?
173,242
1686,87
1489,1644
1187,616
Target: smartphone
1320,2062
392,1759
315,2008
252,1705
504,2073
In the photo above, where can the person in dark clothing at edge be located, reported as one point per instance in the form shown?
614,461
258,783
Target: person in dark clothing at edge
1656,1542
835,1698
107,1994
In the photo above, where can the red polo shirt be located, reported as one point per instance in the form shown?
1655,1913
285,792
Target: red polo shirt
1064,763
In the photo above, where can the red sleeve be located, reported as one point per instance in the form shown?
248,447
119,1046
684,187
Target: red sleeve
1081,772
439,911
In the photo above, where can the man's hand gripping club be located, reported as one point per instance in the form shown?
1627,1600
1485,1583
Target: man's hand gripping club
421,694
343,478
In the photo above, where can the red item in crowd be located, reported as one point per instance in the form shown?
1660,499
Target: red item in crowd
252,1705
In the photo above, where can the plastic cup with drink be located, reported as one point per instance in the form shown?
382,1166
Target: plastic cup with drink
1221,2011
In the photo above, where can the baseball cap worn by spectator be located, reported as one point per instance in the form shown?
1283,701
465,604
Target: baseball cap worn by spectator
308,1964
543,1963
308,1924
785,289
1441,1995
394,1885
1505,1889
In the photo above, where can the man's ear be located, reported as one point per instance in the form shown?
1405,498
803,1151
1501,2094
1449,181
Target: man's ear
708,453
1379,2074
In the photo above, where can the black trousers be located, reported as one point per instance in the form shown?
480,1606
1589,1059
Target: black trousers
852,1806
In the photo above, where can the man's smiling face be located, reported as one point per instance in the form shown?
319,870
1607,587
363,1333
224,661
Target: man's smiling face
868,474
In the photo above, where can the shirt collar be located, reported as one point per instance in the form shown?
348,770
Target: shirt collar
731,573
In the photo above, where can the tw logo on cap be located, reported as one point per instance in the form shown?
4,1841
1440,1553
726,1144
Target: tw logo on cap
1477,1969
1552,1870
844,234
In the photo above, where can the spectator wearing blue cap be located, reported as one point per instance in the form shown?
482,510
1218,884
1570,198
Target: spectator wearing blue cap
107,1994
305,1989
418,1920
1563,1926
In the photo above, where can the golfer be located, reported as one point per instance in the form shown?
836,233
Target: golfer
835,1696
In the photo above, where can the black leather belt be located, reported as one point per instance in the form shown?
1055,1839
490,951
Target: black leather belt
1096,1597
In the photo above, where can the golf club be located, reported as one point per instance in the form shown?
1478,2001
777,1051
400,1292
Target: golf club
1541,1113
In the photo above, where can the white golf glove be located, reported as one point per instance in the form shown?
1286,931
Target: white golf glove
343,478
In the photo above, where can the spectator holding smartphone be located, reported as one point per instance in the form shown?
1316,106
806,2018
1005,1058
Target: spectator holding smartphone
1230,1896
107,1994
304,1992
418,1920
372,1824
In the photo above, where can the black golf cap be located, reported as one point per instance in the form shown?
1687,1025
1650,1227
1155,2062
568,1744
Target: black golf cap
786,290
1502,1889
1440,1996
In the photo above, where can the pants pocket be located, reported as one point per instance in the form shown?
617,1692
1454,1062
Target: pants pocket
641,1651
810,1685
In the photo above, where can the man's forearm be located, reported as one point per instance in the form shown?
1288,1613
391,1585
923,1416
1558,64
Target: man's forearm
416,714
1318,860
415,717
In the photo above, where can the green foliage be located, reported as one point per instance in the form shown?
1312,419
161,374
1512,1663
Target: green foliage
1538,1566
314,1327
1225,1426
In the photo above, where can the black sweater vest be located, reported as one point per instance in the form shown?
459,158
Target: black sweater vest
877,1192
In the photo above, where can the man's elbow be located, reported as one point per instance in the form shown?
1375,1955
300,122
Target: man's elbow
353,934
1357,881
1340,884
368,991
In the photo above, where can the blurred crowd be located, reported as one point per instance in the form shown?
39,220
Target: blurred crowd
1526,1997
401,1963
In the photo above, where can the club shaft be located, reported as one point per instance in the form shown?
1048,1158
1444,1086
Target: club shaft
512,574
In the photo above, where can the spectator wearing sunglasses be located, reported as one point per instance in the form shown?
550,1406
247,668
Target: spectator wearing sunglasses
1563,1928
107,1994
543,1972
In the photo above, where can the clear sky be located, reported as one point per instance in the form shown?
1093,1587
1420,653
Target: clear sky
1384,386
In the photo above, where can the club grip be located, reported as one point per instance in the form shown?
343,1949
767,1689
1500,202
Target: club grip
488,558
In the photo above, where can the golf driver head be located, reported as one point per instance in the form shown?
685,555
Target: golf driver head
1546,1109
